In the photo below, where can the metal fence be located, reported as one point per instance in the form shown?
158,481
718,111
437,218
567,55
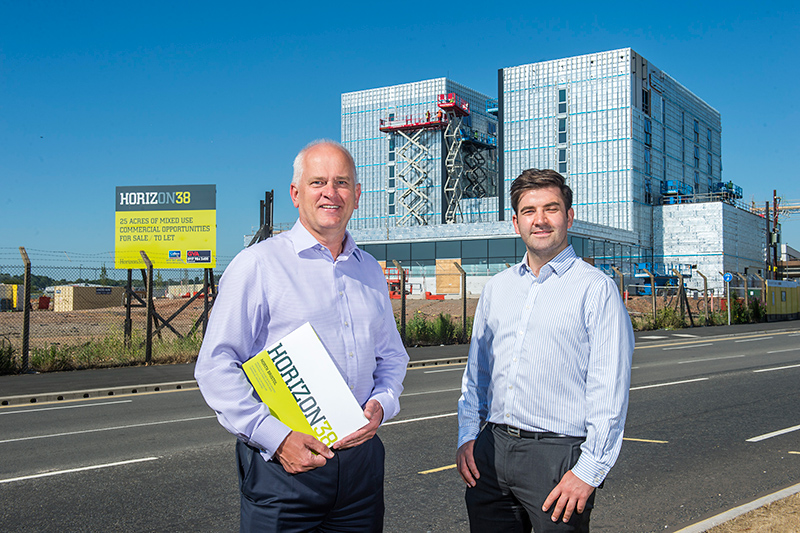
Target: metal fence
81,315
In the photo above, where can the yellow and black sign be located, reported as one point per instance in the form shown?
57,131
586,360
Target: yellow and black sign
176,225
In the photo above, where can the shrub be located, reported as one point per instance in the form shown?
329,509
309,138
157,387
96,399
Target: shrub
8,361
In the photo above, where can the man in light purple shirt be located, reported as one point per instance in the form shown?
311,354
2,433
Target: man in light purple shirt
313,273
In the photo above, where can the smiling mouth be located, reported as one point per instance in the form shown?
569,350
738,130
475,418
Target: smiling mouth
329,207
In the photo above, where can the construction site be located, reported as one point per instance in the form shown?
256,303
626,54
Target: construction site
640,151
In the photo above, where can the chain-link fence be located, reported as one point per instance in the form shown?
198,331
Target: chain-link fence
83,315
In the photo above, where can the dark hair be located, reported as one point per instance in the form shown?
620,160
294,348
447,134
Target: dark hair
533,178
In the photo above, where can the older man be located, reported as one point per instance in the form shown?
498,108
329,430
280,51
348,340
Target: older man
545,391
313,273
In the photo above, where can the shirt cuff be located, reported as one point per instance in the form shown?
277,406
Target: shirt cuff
269,436
589,471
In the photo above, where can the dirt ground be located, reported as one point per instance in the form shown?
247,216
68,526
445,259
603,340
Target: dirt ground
50,328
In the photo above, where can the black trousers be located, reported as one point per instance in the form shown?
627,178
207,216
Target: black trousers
344,495
517,474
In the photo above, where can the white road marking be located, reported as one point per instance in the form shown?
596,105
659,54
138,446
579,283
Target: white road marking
776,368
710,359
83,469
688,346
786,350
62,407
427,392
393,422
689,335
445,370
653,337
756,339
773,434
668,384
36,437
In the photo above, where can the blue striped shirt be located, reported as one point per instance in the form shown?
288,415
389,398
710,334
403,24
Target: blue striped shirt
271,289
551,353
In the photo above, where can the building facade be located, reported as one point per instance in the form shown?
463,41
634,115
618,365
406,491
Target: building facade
633,143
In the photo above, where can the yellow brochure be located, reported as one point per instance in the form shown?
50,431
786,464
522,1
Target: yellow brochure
302,387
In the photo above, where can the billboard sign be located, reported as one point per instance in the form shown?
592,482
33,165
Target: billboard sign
176,225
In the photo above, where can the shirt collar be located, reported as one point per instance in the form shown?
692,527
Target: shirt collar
559,264
303,240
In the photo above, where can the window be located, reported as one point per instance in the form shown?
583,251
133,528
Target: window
696,157
423,251
448,250
709,163
399,252
708,138
646,101
391,144
391,204
710,184
647,167
562,160
696,131
648,132
696,181
562,130
562,101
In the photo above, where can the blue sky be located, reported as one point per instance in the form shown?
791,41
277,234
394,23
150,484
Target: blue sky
95,95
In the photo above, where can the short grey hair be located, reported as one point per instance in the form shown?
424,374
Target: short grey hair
300,160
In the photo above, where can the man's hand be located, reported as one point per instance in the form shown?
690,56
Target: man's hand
300,453
374,413
570,496
466,463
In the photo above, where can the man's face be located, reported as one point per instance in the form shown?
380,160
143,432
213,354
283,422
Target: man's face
542,221
326,194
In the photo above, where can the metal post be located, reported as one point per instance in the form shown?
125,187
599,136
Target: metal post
746,299
463,302
128,301
148,352
705,292
681,294
205,300
402,299
621,283
728,293
653,296
26,311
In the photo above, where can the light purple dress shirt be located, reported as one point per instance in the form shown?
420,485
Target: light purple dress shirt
272,288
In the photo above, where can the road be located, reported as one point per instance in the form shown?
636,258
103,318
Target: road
713,423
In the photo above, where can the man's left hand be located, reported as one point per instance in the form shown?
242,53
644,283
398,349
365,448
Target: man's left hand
374,413
569,495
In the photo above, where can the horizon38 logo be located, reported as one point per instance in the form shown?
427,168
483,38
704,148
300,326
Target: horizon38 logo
198,256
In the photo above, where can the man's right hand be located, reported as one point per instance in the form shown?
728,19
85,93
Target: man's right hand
466,463
297,453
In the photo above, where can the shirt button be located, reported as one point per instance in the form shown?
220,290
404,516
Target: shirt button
508,415
346,324
341,293
352,387
514,359
510,387
351,354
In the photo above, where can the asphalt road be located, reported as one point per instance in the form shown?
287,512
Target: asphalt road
700,439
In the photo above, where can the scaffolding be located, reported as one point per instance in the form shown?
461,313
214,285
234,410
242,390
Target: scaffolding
467,170
466,167
410,134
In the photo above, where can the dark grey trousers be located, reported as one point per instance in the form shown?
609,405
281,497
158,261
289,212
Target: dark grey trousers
517,474
344,495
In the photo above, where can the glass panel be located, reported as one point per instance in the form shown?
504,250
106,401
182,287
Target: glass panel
502,247
400,252
448,250
474,249
423,251
378,251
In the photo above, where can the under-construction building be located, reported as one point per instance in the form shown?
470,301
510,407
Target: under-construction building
640,151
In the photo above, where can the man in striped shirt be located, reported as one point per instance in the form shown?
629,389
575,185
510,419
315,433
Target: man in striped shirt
545,392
